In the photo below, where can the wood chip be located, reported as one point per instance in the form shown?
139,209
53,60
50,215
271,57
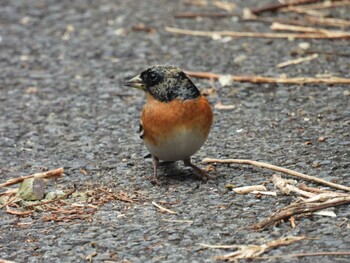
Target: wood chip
248,189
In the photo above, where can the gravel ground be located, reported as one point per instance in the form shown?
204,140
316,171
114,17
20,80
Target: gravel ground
62,103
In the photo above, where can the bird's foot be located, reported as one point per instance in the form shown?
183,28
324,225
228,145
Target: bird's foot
201,174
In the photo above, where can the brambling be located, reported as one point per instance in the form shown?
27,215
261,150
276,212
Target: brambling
176,118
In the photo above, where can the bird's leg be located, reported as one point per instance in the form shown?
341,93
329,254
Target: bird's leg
203,174
155,179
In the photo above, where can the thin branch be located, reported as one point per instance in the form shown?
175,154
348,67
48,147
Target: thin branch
49,174
17,213
303,10
332,53
328,4
311,254
336,22
262,79
286,187
9,201
300,208
211,34
312,189
253,251
276,7
9,192
278,169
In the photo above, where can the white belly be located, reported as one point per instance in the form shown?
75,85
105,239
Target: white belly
180,147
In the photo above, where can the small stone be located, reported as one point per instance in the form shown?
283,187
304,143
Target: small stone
322,139
54,194
32,189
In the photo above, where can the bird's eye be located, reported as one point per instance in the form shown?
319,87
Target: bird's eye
152,77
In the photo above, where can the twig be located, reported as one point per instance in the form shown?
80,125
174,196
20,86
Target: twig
286,187
9,202
278,169
17,213
49,174
311,254
204,14
327,21
163,209
262,79
297,61
312,189
305,29
211,34
253,251
300,208
53,200
9,192
302,10
328,4
276,7
313,51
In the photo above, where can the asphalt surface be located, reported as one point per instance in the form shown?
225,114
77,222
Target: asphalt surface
63,103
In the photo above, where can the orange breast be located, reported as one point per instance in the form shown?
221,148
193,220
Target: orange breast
161,120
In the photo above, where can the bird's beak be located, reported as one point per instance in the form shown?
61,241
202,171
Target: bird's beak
135,82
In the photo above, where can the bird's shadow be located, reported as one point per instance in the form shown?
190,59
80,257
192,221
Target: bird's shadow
169,172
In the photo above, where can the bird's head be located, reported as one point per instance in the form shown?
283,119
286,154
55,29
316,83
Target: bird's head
165,83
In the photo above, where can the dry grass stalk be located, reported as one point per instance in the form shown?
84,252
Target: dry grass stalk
276,7
335,22
190,15
327,4
252,251
278,169
163,209
297,61
301,10
45,175
262,79
304,29
311,254
215,34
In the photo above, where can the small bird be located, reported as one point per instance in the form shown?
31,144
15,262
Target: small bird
176,119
